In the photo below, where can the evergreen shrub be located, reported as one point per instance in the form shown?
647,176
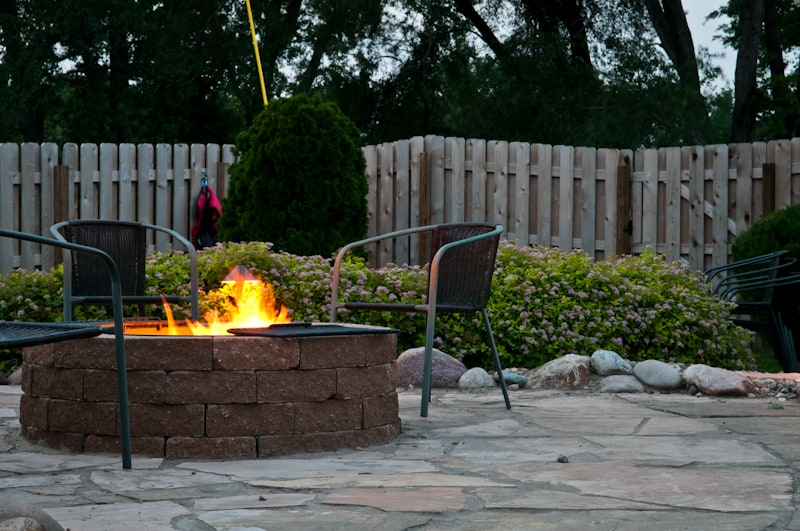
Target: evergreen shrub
299,180
777,231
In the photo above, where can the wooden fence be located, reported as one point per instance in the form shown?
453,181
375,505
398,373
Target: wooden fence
42,184
688,203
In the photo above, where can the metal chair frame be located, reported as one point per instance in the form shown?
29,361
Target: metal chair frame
16,334
764,275
132,289
439,252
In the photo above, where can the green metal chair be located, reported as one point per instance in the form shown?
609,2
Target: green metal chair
17,335
459,281
85,278
764,291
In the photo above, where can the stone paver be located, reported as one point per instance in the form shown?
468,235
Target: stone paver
557,460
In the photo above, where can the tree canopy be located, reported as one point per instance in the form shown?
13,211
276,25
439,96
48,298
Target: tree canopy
618,73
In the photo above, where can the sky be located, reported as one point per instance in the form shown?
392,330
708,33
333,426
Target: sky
703,34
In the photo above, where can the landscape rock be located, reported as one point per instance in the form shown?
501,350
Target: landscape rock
512,378
608,362
655,373
16,377
621,383
21,516
445,369
717,382
476,378
570,371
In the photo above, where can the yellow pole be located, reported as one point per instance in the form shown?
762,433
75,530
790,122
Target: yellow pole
255,47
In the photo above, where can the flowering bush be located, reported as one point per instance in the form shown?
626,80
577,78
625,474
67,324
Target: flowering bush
545,303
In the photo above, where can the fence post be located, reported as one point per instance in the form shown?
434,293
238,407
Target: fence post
60,200
424,206
222,180
768,188
624,223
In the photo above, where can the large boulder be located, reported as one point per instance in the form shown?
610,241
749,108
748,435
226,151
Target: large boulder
716,382
445,369
567,372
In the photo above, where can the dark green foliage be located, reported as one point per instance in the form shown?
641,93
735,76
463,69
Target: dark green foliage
777,231
299,182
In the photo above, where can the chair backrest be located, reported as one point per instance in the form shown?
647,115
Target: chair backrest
465,271
125,242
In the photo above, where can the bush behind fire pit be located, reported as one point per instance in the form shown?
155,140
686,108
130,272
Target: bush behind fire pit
545,303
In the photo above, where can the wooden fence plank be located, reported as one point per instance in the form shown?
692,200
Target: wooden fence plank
544,199
743,187
455,152
782,150
759,158
402,176
476,152
498,184
673,210
9,172
127,176
650,199
145,187
588,200
164,174
181,184
696,206
48,159
419,173
202,158
608,160
30,176
719,222
434,146
520,177
106,193
386,200
371,174
566,191
88,204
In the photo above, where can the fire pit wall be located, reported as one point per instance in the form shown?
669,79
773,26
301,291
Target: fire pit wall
214,397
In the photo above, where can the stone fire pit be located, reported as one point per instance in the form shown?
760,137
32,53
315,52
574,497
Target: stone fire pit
215,397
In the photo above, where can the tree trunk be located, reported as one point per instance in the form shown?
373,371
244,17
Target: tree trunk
669,21
745,88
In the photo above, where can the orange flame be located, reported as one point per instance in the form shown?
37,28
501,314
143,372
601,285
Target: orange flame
252,306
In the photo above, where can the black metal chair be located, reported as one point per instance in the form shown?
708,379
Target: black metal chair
459,281
763,289
86,280
17,334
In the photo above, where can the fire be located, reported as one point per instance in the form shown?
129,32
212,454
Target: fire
251,304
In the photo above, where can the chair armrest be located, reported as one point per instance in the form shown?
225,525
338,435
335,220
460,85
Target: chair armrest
760,284
337,264
710,273
194,282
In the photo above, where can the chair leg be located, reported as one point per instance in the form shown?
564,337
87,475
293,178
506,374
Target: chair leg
786,339
428,363
496,358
